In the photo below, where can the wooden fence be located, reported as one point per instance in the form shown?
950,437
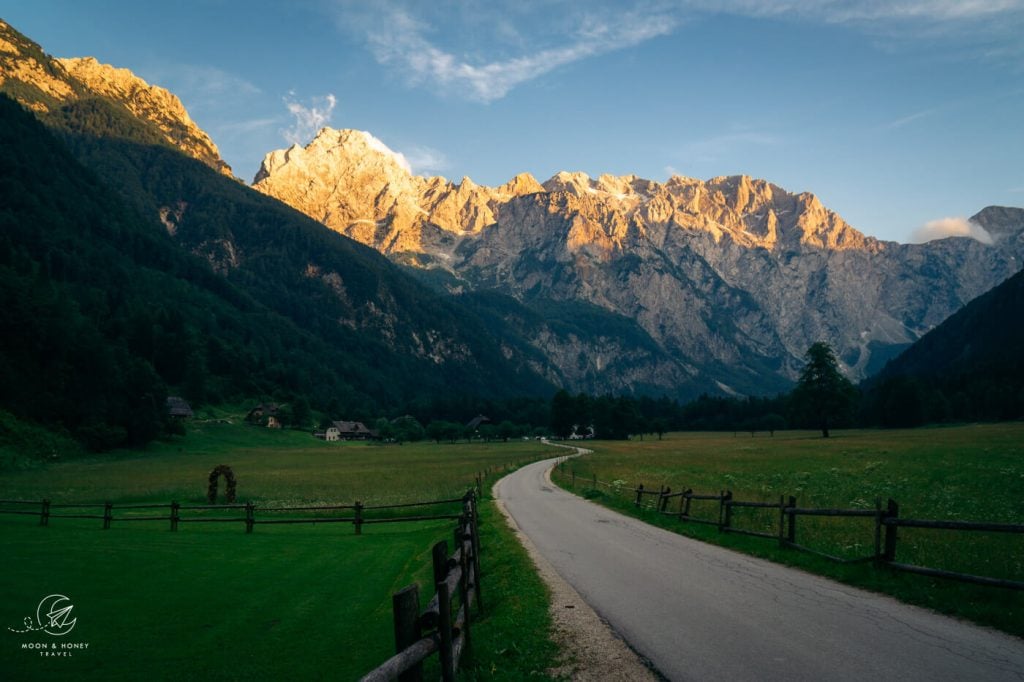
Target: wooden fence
250,514
440,627
886,524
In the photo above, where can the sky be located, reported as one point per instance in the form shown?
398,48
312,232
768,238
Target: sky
906,116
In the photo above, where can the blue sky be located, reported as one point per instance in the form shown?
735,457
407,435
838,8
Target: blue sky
896,114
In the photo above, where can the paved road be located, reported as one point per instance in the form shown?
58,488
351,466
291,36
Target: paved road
700,612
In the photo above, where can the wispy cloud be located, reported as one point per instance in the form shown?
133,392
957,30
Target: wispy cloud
309,118
908,119
399,40
426,160
716,147
201,84
246,127
842,11
950,227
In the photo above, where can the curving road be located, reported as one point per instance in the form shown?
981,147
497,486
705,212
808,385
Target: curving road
700,612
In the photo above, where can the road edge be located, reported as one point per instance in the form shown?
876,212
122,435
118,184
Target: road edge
591,649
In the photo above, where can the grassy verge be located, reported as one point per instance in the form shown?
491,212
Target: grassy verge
971,473
293,602
512,640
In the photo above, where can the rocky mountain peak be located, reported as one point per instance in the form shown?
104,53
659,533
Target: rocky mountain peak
44,84
1002,222
148,102
522,184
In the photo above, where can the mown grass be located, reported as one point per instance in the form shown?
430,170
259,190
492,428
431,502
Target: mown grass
294,602
973,473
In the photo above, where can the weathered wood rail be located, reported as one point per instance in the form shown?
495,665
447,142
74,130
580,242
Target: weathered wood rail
886,522
440,627
243,513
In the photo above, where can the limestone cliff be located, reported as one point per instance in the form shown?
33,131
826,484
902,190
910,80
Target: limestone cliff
731,272
44,84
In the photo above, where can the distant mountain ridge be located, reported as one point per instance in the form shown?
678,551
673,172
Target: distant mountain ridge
200,283
732,278
970,367
609,284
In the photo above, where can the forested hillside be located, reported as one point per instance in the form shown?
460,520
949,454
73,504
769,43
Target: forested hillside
105,310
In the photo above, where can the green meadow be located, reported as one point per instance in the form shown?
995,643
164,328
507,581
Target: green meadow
970,473
286,602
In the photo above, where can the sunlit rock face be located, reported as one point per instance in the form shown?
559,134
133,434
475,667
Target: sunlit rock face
731,271
151,103
44,84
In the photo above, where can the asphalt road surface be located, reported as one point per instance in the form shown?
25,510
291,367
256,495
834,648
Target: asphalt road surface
699,612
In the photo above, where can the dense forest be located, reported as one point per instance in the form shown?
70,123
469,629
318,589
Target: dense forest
105,312
239,298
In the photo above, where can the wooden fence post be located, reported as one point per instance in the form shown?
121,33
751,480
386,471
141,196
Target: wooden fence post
782,521
721,508
727,505
175,515
439,557
405,608
639,494
892,512
663,502
108,515
878,530
475,531
460,541
479,485
686,497
358,522
44,515
250,516
444,630
791,521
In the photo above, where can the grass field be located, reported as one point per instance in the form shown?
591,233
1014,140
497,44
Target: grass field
292,602
973,473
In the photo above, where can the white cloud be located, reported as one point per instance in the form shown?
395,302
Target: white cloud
426,160
399,40
950,227
308,119
379,146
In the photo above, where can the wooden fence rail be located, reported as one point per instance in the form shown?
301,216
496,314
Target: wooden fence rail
440,627
105,512
886,522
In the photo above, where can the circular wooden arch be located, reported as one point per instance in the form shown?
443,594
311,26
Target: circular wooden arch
229,478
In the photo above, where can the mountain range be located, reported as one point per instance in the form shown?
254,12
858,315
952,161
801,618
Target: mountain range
726,281
609,284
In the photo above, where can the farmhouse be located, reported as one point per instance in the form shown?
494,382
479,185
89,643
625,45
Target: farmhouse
177,408
265,414
342,430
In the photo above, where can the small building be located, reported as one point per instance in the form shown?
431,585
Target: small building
265,414
177,408
343,430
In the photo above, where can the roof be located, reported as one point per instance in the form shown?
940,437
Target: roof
351,427
177,407
476,421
